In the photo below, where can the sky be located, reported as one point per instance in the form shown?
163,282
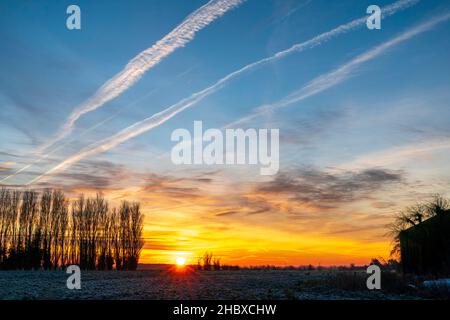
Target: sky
363,117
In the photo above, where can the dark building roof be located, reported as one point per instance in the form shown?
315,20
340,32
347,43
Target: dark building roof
425,248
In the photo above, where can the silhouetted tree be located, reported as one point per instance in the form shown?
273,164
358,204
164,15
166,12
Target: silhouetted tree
207,259
216,263
37,232
414,215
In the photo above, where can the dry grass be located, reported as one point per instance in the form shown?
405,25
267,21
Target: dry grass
391,283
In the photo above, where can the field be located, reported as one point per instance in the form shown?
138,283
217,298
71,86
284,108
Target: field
166,283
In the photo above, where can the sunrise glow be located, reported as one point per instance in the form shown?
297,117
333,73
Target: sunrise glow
361,115
180,261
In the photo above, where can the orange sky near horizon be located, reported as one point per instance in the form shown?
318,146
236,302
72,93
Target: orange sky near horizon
307,217
191,225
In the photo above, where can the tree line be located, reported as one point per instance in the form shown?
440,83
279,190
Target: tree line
47,231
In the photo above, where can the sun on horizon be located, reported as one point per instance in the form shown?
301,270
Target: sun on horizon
180,261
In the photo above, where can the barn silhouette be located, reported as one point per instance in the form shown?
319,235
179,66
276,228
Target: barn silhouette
425,247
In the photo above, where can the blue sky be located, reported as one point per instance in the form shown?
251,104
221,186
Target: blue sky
392,114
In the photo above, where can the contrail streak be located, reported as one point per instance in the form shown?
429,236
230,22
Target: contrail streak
99,124
147,59
342,73
134,70
161,117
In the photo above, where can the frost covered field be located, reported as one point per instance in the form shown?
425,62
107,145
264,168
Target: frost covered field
163,283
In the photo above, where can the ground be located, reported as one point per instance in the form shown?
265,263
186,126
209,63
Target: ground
168,283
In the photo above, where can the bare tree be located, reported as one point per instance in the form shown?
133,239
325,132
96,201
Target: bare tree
207,259
46,207
216,263
415,215
135,235
38,232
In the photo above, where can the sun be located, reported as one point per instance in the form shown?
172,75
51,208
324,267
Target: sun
180,261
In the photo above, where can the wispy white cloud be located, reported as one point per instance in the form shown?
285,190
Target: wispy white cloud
337,76
161,117
144,61
396,155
